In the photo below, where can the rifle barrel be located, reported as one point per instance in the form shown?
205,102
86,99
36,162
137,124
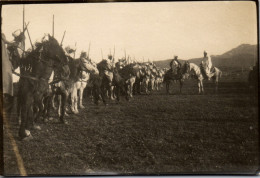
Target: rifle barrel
63,37
29,36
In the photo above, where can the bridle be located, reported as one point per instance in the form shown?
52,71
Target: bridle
49,63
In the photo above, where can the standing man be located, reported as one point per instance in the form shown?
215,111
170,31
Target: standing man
7,69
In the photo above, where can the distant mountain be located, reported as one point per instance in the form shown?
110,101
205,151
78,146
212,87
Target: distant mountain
244,56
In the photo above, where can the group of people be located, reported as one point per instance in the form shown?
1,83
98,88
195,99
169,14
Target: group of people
205,65
7,68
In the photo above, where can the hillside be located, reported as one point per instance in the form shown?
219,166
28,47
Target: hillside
242,56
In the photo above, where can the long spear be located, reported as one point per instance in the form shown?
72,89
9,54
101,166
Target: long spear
101,53
75,49
53,25
23,43
114,55
125,55
63,38
89,49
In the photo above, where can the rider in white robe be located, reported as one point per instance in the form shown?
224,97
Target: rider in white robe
206,64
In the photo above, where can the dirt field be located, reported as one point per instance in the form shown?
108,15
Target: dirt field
151,134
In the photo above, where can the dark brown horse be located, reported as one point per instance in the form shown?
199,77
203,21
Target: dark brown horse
176,73
109,79
36,69
253,79
106,73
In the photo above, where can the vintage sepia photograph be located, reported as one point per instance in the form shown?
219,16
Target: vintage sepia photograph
130,88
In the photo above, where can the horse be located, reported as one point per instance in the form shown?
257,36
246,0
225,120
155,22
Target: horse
106,73
177,72
130,73
121,85
253,79
198,74
80,72
158,79
36,69
146,78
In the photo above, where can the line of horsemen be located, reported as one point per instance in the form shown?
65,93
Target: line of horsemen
49,74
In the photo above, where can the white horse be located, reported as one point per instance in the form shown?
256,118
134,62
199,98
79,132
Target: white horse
81,84
198,74
78,80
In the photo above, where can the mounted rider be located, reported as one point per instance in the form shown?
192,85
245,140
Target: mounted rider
70,51
108,71
206,65
175,64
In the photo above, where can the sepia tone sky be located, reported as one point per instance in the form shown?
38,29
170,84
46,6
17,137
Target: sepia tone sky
152,30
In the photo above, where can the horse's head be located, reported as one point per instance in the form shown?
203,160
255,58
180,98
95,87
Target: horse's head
186,67
54,54
88,66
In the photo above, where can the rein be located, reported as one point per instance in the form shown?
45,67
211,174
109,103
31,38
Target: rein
29,77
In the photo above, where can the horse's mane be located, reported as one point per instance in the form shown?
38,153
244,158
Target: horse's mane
28,62
176,61
103,65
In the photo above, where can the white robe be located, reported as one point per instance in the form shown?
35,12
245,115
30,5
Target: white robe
6,69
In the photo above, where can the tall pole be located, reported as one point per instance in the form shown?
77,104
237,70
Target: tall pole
89,49
101,54
53,25
114,55
23,43
75,50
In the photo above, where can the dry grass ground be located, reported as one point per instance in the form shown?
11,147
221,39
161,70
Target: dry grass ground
151,134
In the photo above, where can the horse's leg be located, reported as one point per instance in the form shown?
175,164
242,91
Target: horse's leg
53,101
76,102
64,97
101,90
199,86
73,99
117,91
91,94
18,109
132,81
26,116
95,93
110,91
167,87
202,88
59,104
130,89
22,132
181,84
47,107
81,90
38,112
139,88
152,85
146,86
